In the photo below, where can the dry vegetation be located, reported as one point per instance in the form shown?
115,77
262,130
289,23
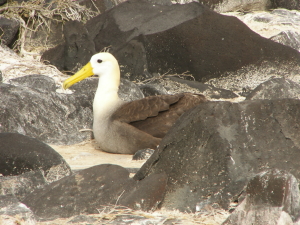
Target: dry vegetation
35,14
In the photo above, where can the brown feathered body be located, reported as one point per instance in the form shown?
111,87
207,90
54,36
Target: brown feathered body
126,127
143,123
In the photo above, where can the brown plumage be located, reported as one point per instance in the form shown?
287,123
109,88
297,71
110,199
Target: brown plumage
126,127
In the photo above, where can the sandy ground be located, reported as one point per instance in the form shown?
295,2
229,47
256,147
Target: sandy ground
84,155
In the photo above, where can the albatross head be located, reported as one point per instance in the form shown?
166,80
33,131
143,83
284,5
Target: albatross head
102,64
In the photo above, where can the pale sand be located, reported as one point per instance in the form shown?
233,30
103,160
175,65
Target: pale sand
84,155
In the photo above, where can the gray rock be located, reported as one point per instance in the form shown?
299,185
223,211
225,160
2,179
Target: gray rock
272,197
21,154
22,185
48,116
212,151
20,213
238,5
95,187
274,89
180,38
289,38
288,4
207,90
143,154
129,91
39,82
78,48
153,89
8,30
2,2
197,54
27,164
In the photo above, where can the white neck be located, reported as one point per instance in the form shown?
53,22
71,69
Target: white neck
106,98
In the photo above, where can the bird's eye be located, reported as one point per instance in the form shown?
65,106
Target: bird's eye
99,60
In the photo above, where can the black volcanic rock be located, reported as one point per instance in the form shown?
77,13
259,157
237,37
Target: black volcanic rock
93,188
288,4
20,154
272,197
149,39
212,151
27,164
8,30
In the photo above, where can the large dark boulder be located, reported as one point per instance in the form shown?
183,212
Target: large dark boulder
179,38
272,197
212,151
20,154
93,188
75,52
211,45
27,164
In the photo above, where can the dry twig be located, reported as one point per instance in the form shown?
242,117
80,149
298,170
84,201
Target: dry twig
165,75
37,14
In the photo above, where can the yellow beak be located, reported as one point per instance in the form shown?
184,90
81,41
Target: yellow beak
85,72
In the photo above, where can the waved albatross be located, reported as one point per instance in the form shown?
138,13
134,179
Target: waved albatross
126,127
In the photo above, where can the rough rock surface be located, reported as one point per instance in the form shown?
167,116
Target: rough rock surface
238,5
272,197
21,154
207,90
36,81
274,89
50,116
213,150
27,164
179,38
153,89
23,184
8,30
76,51
10,206
288,38
288,4
93,188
